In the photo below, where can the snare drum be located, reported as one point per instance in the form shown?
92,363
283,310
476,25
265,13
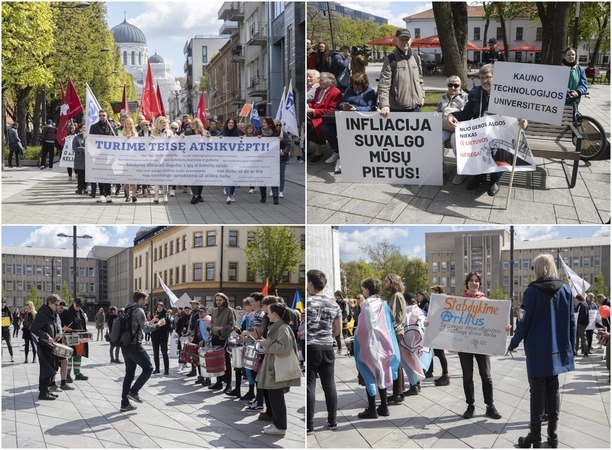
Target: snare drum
252,359
70,339
85,337
237,356
189,354
62,351
211,368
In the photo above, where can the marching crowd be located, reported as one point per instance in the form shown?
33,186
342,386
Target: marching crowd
386,339
268,333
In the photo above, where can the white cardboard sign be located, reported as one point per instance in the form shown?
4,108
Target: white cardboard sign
403,148
473,325
67,153
530,91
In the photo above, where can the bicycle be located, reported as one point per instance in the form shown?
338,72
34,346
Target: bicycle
594,139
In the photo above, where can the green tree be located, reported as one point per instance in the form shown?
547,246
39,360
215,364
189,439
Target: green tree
272,251
383,256
593,26
554,17
354,273
599,285
415,275
65,293
497,293
33,297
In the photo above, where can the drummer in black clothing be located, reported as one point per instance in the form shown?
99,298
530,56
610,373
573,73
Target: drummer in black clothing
493,54
74,318
45,332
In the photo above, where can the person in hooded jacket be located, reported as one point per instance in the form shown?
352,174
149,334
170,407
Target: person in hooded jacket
45,331
546,324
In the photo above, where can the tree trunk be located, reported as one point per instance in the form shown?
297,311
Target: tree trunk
597,47
453,37
22,110
36,120
502,22
554,38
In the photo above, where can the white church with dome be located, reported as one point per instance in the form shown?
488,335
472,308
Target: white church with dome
132,45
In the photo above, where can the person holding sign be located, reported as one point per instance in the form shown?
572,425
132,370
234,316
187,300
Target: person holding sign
473,283
476,106
376,349
546,324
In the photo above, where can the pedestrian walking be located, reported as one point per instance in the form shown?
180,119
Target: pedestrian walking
100,319
7,319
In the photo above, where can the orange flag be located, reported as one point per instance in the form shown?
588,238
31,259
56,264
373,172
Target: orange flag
264,289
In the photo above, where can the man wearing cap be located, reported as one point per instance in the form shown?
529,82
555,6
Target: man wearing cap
400,88
61,306
48,145
493,54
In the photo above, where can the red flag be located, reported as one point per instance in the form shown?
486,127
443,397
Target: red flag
264,289
125,106
149,106
201,112
160,100
71,106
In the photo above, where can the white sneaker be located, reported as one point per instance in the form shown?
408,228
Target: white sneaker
271,194
69,178
251,190
271,429
109,199
337,169
172,193
100,199
165,198
228,200
333,158
89,189
280,194
233,198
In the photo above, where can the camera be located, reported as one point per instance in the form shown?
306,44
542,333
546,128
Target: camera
360,50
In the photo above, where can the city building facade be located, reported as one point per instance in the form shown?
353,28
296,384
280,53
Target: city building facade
345,11
324,255
201,261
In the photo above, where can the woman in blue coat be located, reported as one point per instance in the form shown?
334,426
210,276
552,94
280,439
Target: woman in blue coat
546,324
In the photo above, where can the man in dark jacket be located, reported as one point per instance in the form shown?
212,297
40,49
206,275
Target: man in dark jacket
7,320
74,319
110,319
493,54
14,144
45,332
582,308
340,63
102,127
48,145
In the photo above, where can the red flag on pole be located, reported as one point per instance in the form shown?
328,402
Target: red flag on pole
125,106
71,106
149,106
160,100
264,289
201,112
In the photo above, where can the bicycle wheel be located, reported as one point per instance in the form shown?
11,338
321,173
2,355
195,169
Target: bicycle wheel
593,137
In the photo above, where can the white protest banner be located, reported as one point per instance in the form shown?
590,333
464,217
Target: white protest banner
474,325
67,153
192,160
486,145
529,91
402,148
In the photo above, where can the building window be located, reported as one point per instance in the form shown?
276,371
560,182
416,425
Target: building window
519,33
500,34
19,285
211,238
183,273
19,269
285,276
586,277
135,285
516,280
133,58
135,262
39,285
452,266
185,241
92,273
38,269
525,264
8,269
47,270
434,267
82,287
506,281
140,58
197,239
125,58
417,33
516,264
165,250
171,278
539,34
58,286
596,261
586,261
81,271
476,33
576,262
233,271
435,280
525,280
29,269
92,287
452,282
210,271
178,245
204,54
302,274
155,254
9,285
197,272
443,266
58,271
302,241
233,239
171,248
518,57
250,274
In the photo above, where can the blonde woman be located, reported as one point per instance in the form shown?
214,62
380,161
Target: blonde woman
29,315
198,129
161,128
129,130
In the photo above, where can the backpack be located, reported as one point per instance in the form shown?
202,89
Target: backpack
121,333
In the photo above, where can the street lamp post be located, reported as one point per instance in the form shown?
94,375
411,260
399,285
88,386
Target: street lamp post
74,255
52,275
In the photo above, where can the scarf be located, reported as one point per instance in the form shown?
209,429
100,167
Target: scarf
267,133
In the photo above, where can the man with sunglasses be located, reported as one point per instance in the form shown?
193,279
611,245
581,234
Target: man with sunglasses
454,100
102,127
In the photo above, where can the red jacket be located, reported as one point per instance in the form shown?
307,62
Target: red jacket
330,101
311,61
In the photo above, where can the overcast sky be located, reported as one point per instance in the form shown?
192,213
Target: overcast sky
411,239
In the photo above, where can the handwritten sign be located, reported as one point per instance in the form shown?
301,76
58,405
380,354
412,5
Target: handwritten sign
193,160
473,325
403,148
486,145
529,91
67,153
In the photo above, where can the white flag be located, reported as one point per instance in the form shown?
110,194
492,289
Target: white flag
288,115
281,105
173,298
577,284
92,108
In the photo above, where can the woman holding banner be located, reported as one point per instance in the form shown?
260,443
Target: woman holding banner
546,324
129,130
231,130
473,283
197,128
477,106
161,128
